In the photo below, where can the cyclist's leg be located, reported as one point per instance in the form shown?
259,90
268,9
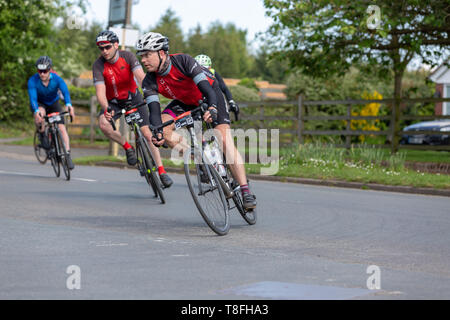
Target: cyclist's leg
114,135
173,139
40,127
234,158
144,125
108,130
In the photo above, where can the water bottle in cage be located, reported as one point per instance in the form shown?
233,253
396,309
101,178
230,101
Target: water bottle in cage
214,157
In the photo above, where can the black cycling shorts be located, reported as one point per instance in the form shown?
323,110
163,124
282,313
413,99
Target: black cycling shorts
176,107
55,107
136,99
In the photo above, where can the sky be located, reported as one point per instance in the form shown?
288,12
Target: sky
245,14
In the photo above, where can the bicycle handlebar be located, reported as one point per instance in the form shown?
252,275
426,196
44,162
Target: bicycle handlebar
55,113
201,108
128,107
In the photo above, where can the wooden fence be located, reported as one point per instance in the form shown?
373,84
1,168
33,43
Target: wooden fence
296,113
290,117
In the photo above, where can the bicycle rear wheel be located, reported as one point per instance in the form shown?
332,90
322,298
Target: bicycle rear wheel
208,197
63,156
39,151
149,169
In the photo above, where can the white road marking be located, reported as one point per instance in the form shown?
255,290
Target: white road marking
41,176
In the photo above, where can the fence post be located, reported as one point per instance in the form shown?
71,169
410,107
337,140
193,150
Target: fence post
396,135
300,121
261,115
348,137
93,111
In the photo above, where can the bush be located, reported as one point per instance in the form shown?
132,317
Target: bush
77,93
241,93
249,83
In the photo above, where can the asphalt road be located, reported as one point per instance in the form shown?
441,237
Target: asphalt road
103,236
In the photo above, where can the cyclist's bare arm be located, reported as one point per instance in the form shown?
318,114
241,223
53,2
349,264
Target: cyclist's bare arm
100,91
139,75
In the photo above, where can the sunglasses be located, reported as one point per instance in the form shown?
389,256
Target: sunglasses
43,71
109,46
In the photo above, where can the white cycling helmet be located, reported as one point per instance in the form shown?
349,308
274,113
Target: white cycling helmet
204,60
152,41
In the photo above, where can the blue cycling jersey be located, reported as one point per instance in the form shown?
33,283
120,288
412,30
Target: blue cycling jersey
39,93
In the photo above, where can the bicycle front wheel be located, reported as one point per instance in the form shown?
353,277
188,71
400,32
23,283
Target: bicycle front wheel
149,168
53,154
63,156
39,151
208,196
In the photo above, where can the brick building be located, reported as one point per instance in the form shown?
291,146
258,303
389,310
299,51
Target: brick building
441,76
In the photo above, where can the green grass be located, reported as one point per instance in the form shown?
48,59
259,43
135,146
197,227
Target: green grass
367,165
318,161
15,132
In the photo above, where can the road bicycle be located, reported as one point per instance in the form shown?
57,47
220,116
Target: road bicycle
57,152
145,159
213,188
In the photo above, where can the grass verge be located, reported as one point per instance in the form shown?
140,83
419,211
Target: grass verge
359,165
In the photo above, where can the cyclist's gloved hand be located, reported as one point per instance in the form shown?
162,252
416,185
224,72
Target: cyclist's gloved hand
71,111
38,117
211,114
233,106
109,113
158,138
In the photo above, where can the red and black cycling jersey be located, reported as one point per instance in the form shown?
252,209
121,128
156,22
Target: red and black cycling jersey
118,77
178,82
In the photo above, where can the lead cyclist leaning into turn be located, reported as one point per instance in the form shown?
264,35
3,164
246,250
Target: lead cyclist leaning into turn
181,78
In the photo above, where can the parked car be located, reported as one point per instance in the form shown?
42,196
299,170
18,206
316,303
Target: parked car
437,125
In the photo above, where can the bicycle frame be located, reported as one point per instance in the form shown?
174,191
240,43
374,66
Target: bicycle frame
52,120
186,120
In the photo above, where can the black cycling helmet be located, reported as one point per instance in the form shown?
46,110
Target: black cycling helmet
106,36
44,63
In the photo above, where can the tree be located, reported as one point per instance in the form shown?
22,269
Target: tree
80,49
26,28
268,68
196,42
327,37
226,45
169,26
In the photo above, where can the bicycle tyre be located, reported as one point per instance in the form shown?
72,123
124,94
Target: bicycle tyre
63,156
213,209
143,170
53,155
39,152
150,170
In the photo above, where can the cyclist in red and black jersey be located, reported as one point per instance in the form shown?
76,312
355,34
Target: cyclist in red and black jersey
181,78
114,74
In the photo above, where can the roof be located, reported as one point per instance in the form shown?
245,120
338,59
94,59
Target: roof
441,74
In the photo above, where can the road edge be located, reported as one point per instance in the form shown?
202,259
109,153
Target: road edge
317,182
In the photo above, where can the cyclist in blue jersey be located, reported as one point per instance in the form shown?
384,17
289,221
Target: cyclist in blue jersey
43,91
